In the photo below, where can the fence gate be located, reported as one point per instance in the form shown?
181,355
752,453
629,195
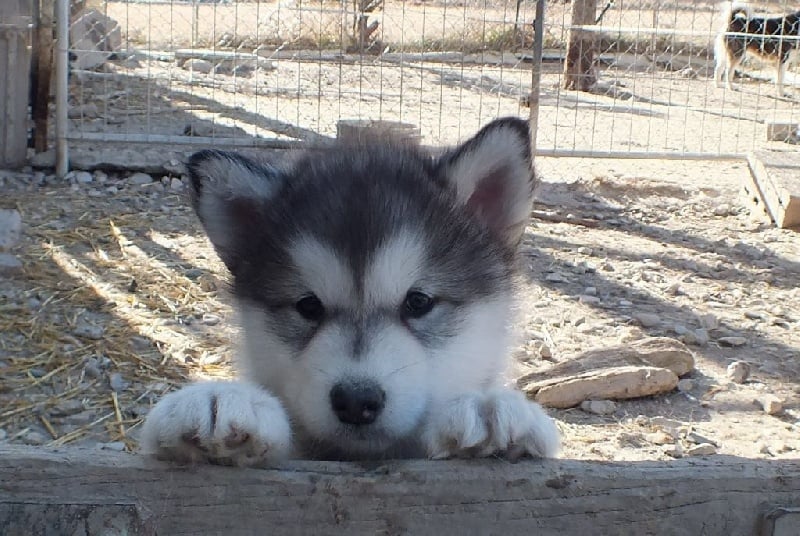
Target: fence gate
275,73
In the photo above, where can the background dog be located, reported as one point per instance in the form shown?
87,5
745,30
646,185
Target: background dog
765,38
374,285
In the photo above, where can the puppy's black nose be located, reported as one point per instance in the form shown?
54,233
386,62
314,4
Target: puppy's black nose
357,402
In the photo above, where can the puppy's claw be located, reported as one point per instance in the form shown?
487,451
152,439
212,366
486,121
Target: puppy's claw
502,422
229,423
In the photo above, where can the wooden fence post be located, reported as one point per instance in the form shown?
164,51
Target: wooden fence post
579,67
15,64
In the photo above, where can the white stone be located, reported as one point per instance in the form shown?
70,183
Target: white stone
599,407
198,65
10,228
738,371
9,265
648,320
703,449
140,178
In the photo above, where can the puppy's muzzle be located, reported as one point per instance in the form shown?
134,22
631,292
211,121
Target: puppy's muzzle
357,402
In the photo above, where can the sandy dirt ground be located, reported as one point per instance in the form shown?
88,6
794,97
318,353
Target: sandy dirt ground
120,298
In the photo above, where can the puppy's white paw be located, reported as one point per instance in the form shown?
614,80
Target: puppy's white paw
229,423
500,422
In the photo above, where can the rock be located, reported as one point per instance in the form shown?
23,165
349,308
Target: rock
659,438
70,407
684,386
703,449
83,177
625,303
615,383
10,228
590,291
88,331
117,446
92,368
697,439
756,315
675,451
732,341
665,423
174,167
722,210
3,434
112,190
175,184
117,382
9,265
198,65
738,371
708,321
211,319
647,320
701,337
37,372
771,404
680,329
659,352
34,438
599,407
100,176
589,300
554,277
545,352
140,179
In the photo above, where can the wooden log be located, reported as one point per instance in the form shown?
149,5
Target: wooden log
358,130
47,492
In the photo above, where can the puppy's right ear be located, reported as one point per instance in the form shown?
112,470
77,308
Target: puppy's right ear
229,193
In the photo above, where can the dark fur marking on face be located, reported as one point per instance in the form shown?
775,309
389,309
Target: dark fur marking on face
354,200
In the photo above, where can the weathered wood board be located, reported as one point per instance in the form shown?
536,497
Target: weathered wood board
716,496
775,185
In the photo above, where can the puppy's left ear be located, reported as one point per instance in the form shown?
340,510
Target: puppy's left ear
493,177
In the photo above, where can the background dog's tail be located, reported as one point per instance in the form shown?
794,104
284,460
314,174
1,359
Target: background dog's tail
732,10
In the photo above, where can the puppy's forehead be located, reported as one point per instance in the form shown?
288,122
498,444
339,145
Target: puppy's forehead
323,270
377,278
394,267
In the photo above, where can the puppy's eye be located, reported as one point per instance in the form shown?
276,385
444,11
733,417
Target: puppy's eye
418,304
310,307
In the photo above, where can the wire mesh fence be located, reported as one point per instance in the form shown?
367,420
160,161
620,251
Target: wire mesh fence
259,71
648,87
252,72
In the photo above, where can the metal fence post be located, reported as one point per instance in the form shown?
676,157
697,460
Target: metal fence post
536,72
62,89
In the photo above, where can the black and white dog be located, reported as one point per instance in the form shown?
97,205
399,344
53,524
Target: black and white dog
772,39
374,284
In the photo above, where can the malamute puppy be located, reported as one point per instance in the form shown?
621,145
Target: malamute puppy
374,284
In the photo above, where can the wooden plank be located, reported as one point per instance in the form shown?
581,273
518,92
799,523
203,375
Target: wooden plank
776,183
785,132
42,70
715,496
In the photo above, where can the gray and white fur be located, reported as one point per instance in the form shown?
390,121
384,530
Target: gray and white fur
374,284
